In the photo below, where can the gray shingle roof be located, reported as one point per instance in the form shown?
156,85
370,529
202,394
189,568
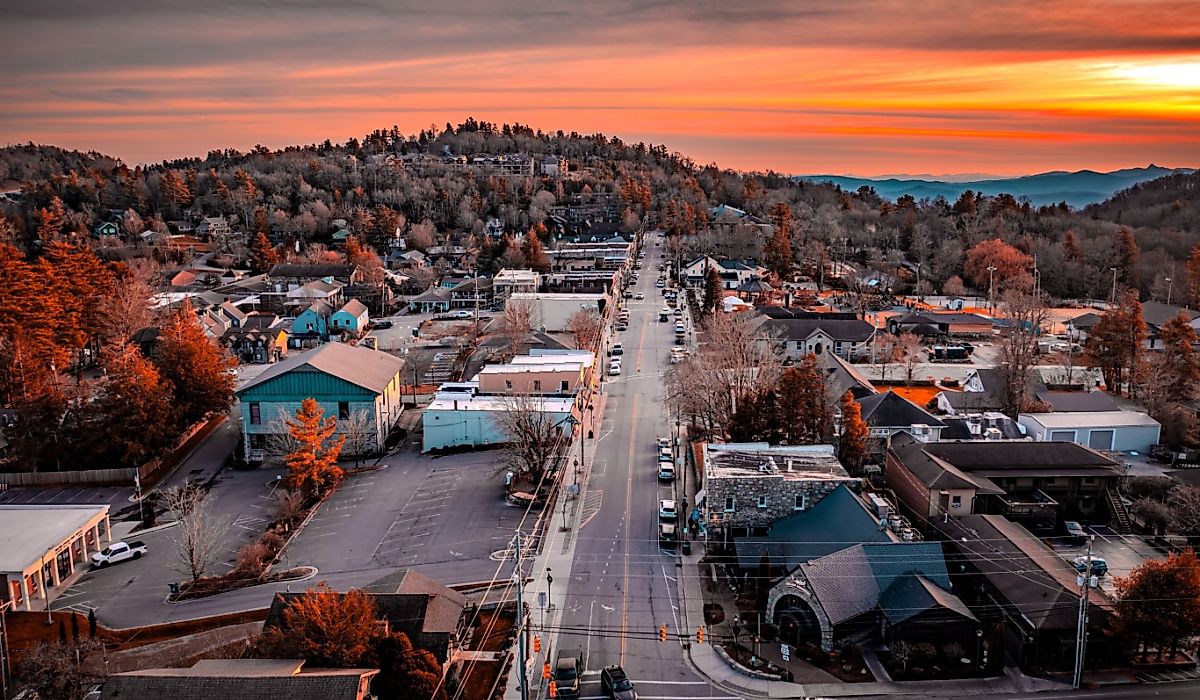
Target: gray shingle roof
889,410
315,271
853,330
239,679
364,367
997,456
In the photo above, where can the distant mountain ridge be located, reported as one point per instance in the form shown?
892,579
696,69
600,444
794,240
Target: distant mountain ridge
1079,188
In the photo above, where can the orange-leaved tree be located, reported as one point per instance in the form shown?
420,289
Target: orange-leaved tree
852,448
313,465
195,366
325,628
1159,603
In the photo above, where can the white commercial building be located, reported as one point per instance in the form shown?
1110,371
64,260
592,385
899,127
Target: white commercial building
41,546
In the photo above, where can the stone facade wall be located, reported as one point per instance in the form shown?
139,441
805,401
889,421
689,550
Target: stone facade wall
779,491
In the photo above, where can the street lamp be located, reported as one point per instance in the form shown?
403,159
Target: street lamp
992,288
1114,287
736,625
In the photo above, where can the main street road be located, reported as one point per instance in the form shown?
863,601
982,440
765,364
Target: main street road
623,585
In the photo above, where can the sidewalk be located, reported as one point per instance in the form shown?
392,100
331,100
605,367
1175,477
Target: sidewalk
556,557
708,664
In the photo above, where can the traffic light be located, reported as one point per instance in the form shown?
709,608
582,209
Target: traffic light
537,645
662,633
546,670
699,635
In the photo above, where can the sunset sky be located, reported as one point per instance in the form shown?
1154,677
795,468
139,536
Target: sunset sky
818,86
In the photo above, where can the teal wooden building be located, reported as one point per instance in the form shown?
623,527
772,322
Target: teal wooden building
353,384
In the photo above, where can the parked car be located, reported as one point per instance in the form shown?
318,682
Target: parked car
663,442
666,471
665,454
462,313
1075,532
628,294
384,324
614,368
118,552
1099,566
678,312
664,315
615,684
660,284
622,326
667,534
616,350
566,673
666,510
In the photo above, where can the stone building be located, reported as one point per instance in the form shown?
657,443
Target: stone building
749,486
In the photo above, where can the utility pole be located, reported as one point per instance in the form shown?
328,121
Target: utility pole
1113,301
992,289
522,649
1086,581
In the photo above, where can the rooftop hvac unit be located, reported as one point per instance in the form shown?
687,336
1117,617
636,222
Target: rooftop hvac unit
993,434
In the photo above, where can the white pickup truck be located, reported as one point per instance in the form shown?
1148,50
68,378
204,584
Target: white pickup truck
117,552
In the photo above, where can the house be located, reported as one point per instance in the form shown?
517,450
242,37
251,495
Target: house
352,316
311,327
944,323
1156,315
749,486
213,227
345,380
553,166
1115,431
461,417
261,338
1035,483
326,290
1008,575
411,260
473,292
235,315
435,300
108,228
725,219
506,282
803,333
427,611
841,376
241,679
890,413
733,273
983,389
1080,327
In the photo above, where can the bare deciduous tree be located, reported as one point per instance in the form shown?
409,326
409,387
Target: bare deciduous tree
59,669
533,434
586,326
279,441
517,323
1026,315
360,433
200,532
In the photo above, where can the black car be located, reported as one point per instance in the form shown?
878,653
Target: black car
383,324
615,684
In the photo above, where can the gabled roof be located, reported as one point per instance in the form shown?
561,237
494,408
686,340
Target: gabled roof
891,410
910,596
364,367
1085,321
853,581
239,679
1157,314
990,457
841,376
435,294
799,329
354,307
837,521
233,312
1027,574
934,472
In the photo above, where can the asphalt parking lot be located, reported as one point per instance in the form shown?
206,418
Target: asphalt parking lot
445,516
117,497
1123,553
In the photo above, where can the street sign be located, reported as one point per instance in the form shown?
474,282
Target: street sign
786,651
541,599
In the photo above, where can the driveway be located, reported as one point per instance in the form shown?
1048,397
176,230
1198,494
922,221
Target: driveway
444,516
